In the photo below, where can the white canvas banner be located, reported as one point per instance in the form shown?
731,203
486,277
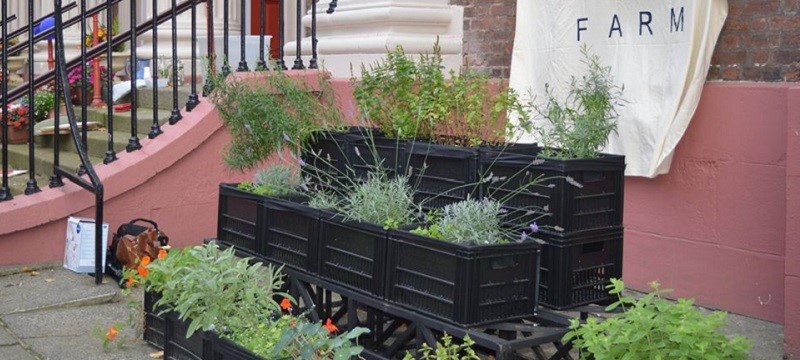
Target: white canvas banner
660,50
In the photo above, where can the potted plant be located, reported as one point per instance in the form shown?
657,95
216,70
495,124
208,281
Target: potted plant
15,62
18,120
79,73
653,327
44,101
119,56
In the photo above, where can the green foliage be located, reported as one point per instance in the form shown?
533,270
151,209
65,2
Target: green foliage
581,123
655,328
446,349
266,119
275,180
414,99
380,200
44,102
213,289
306,340
324,200
262,338
468,221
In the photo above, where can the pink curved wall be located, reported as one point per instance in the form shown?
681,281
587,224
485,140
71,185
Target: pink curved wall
722,226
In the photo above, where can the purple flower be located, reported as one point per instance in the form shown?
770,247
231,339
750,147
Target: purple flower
534,227
523,236
301,162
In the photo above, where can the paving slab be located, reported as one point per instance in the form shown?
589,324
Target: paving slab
765,337
15,353
66,321
55,287
86,348
6,338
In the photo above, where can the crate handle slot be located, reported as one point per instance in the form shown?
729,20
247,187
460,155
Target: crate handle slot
504,262
593,176
592,247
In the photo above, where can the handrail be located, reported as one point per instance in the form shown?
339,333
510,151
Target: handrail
97,50
38,21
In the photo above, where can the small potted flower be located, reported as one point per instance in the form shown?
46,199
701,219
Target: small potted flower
118,54
17,119
74,77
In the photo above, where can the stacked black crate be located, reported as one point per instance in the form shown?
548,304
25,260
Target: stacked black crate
575,207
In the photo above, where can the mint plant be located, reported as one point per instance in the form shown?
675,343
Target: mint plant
446,349
655,328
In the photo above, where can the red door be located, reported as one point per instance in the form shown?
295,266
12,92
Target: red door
271,16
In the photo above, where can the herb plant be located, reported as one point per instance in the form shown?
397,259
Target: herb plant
380,200
306,340
260,117
468,221
579,125
655,328
446,349
275,180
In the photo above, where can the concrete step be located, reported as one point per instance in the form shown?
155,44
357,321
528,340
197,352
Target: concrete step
123,119
96,142
145,97
18,159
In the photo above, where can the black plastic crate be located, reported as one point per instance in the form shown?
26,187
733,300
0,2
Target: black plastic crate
466,285
291,234
239,220
155,327
575,272
442,174
369,150
326,157
224,349
573,195
352,254
177,346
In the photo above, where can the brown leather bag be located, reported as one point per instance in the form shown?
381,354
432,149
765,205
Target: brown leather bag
131,249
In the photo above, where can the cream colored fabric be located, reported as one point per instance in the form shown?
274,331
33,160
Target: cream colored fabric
663,73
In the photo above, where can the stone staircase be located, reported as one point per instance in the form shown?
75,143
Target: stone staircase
96,140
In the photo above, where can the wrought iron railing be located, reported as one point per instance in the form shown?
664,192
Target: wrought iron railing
49,28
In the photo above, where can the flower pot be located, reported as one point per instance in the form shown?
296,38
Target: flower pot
463,284
15,63
17,135
118,61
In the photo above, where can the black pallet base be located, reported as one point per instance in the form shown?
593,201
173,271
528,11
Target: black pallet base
394,330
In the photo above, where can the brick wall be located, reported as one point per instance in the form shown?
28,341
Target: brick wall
760,40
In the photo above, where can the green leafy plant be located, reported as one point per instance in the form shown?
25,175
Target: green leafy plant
380,200
579,125
44,102
446,349
655,328
212,289
469,221
414,99
274,180
315,341
262,118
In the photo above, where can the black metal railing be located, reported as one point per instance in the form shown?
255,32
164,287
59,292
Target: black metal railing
70,80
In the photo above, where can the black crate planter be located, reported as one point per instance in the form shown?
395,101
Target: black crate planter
576,271
370,150
224,349
466,285
442,174
578,195
177,346
352,254
326,160
155,327
240,219
291,234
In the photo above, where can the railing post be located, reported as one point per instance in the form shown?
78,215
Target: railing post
5,191
280,64
176,113
193,99
82,92
97,99
242,46
262,63
111,153
155,128
210,49
226,68
332,6
298,61
133,141
312,64
31,187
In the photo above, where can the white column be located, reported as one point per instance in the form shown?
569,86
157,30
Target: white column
360,31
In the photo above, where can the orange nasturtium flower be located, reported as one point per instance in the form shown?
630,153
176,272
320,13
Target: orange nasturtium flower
286,304
145,261
112,333
142,271
129,281
162,254
330,326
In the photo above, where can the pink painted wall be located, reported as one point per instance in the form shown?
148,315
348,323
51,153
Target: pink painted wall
722,226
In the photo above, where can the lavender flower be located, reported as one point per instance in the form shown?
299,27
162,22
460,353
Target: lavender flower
534,227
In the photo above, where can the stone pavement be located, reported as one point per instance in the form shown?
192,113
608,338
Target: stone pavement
47,312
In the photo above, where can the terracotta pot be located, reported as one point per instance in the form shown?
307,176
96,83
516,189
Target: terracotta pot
17,135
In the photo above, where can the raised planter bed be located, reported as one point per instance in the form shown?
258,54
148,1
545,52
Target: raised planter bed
466,285
352,254
328,157
374,150
178,347
155,326
576,270
442,174
240,219
291,234
596,203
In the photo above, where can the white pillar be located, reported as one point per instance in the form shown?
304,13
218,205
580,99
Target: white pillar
360,31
